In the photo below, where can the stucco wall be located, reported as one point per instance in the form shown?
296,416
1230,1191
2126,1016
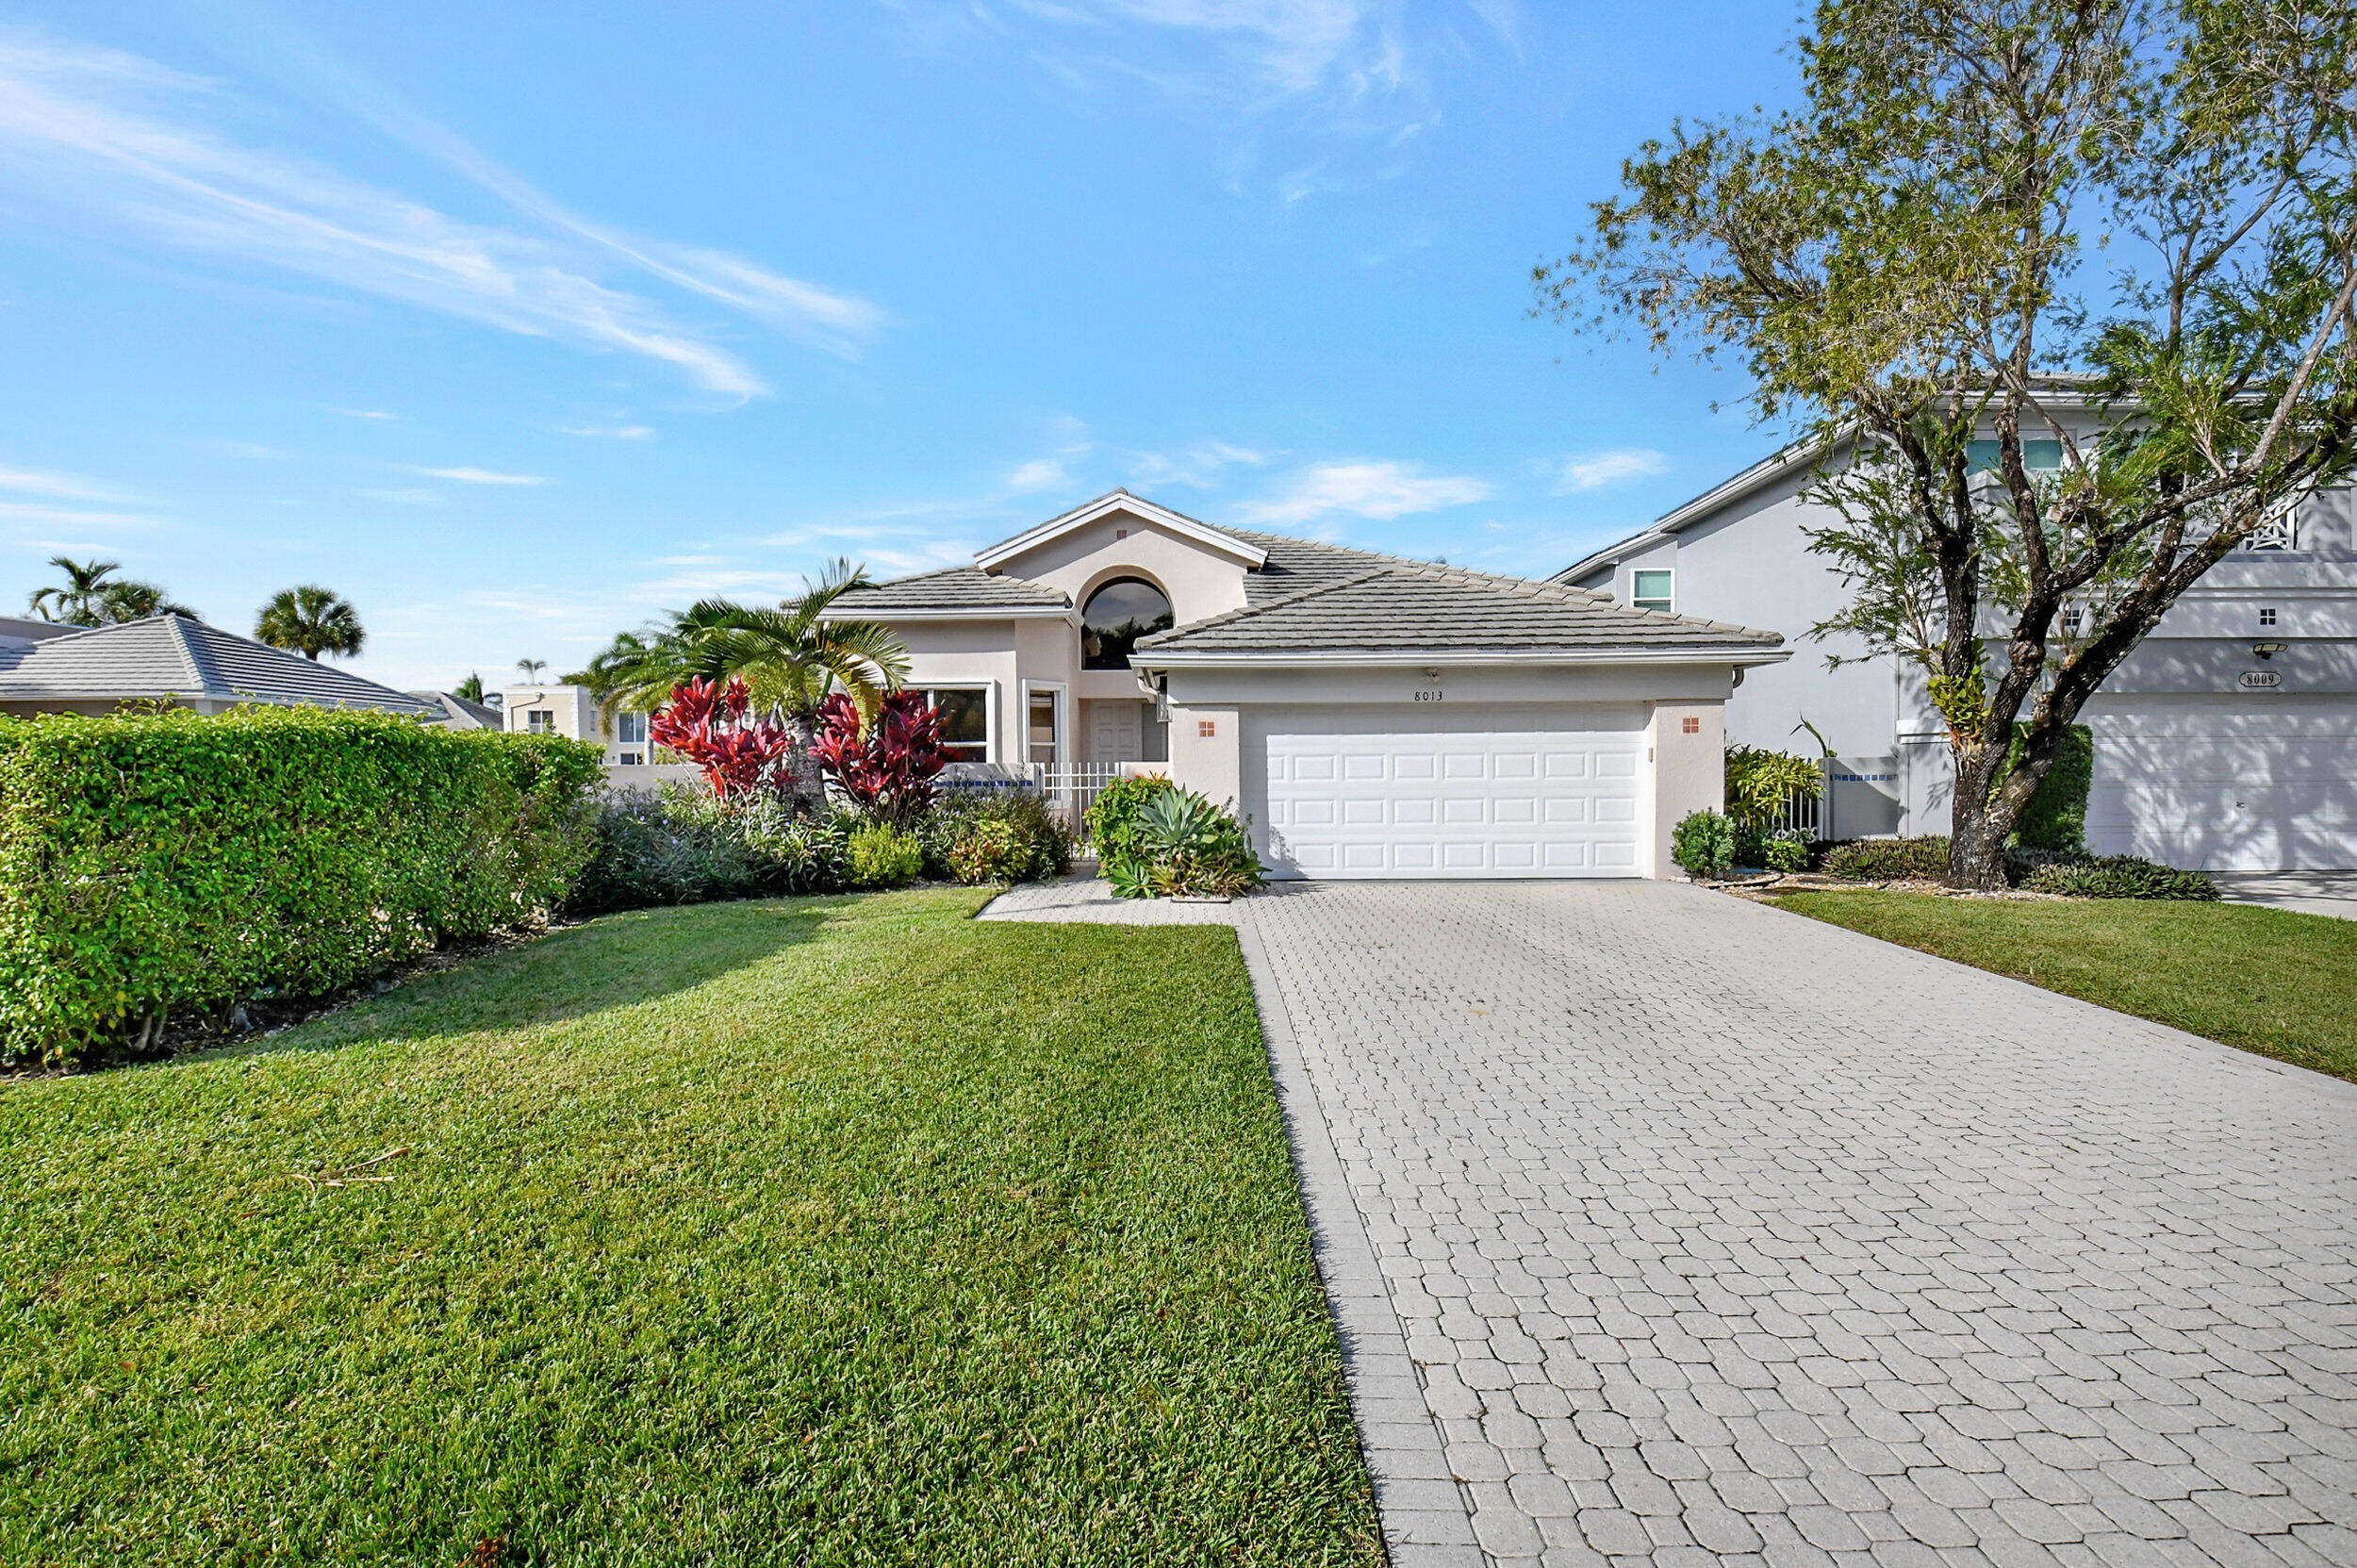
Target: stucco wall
1199,580
1688,772
1209,764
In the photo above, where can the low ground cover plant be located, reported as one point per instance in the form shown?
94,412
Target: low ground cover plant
1889,859
1179,845
166,864
2119,877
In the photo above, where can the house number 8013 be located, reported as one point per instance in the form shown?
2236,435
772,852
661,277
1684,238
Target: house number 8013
1430,695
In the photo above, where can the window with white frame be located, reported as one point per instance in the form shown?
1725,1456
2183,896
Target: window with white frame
1040,727
2036,456
630,729
540,722
964,722
1653,589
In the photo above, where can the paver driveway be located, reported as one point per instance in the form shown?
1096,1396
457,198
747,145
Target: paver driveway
1710,1231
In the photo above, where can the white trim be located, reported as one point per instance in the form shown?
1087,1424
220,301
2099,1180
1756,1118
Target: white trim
1026,612
1121,500
1064,720
1311,658
990,712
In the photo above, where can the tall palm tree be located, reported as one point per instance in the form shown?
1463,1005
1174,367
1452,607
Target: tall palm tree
532,668
81,600
311,620
91,595
790,656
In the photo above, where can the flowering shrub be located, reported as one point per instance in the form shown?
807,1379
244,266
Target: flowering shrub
885,768
715,727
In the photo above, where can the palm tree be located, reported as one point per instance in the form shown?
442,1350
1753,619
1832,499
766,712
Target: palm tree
311,620
91,595
471,689
790,656
532,668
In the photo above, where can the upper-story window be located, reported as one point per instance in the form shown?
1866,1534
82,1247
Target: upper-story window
1115,617
1653,591
630,729
2036,456
540,721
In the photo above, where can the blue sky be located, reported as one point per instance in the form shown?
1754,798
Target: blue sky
516,325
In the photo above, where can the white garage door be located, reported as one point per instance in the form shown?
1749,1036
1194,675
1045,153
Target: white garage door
1379,791
2227,788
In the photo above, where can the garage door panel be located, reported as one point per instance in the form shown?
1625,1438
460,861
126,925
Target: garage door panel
1475,793
2269,787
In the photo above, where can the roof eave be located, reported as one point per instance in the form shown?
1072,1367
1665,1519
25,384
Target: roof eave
1007,612
1395,659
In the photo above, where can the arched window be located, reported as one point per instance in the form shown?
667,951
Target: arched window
1115,617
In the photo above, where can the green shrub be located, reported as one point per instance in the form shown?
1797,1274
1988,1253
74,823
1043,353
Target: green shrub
680,845
994,835
1787,852
1704,844
885,855
2056,817
162,863
1890,859
2119,877
1183,845
1113,817
1761,784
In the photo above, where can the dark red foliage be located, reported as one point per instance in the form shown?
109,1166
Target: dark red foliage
889,770
713,727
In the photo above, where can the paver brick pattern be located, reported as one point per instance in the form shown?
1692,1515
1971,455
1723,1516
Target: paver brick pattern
1719,1236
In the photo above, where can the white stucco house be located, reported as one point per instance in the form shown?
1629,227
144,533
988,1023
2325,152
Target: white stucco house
1374,716
2228,741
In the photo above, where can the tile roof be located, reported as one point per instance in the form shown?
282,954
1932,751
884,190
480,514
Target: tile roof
458,712
1394,606
954,588
167,656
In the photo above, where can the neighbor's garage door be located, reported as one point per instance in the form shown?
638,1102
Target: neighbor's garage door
2263,785
1504,791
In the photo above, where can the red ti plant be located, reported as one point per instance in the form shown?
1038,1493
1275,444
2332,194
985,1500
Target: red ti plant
886,768
715,727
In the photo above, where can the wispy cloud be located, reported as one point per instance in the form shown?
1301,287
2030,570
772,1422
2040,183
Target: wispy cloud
1200,465
1379,490
32,511
1595,470
368,413
121,139
65,485
610,432
484,476
1039,473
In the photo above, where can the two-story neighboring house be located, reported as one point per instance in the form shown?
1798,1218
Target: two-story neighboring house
572,710
1374,716
2228,741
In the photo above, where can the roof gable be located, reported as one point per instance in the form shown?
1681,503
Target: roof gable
1191,529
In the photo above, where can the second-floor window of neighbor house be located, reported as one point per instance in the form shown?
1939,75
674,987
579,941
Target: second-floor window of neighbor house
630,729
1651,590
2038,457
540,722
1115,617
964,722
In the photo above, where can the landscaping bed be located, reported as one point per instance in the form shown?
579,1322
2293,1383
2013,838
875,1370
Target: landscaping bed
814,1230
2270,980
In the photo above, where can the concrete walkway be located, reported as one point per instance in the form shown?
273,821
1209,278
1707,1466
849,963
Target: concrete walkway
1663,1227
2332,893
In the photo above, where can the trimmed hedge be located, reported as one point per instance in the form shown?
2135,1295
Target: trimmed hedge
1889,859
161,864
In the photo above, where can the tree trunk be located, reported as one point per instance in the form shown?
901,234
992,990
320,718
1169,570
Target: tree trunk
1976,836
807,792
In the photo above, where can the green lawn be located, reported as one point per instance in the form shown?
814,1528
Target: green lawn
2270,980
825,1231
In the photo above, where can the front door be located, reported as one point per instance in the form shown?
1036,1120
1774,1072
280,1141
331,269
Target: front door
1113,732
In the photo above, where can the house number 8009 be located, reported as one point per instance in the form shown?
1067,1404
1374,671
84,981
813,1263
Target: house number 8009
1428,696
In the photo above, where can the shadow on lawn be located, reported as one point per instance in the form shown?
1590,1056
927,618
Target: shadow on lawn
614,961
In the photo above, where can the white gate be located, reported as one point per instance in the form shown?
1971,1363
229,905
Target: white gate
1071,789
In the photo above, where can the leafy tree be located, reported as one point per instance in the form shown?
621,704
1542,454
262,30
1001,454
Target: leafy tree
471,689
1991,216
311,620
91,595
